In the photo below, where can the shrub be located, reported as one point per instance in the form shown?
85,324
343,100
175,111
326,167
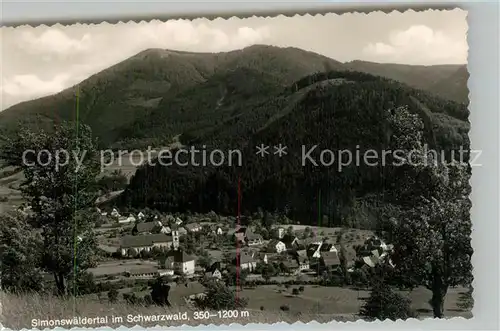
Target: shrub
384,303
301,289
284,308
112,295
295,291
261,307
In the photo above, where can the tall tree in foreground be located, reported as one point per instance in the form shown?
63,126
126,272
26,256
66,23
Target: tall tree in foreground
19,255
60,187
432,236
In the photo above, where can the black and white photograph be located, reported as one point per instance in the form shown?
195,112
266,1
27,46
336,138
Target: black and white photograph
242,170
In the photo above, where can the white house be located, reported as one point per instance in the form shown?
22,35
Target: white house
219,231
178,221
141,215
216,274
276,246
126,220
115,213
183,263
280,232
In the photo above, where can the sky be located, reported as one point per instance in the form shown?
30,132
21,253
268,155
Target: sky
39,61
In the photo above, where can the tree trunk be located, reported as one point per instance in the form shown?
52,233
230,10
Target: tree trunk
439,290
437,303
60,284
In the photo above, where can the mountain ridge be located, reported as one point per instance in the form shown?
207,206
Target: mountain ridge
114,99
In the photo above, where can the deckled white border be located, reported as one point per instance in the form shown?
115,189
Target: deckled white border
483,40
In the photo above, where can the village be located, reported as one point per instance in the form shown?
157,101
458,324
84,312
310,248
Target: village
190,249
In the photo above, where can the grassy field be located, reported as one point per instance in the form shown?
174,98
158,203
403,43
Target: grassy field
333,300
316,303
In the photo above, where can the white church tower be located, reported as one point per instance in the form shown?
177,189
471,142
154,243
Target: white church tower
175,239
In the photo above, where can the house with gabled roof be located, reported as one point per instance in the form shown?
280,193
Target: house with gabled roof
193,227
253,239
183,262
276,246
302,260
290,241
292,266
246,261
329,260
216,274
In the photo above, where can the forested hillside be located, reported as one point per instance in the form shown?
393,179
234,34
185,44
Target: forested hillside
335,110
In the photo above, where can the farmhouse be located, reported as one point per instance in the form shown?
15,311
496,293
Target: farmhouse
276,246
131,245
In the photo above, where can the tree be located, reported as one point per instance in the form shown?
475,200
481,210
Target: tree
218,296
343,257
466,300
19,255
82,284
383,304
234,278
205,261
61,190
112,295
159,291
432,234
267,272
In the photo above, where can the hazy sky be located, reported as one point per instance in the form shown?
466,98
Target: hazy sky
44,60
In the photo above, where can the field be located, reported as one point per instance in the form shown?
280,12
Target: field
334,300
318,304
